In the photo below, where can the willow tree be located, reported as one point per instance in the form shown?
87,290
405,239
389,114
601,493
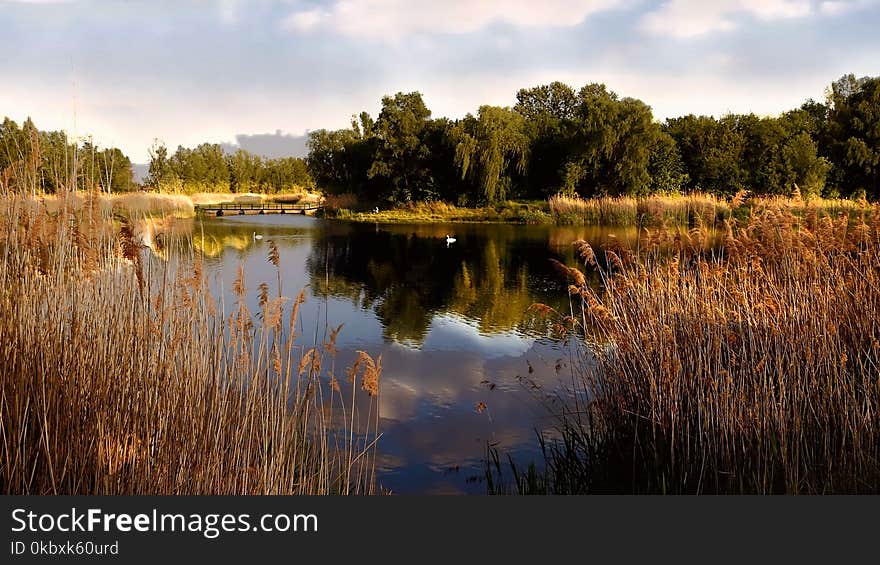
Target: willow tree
612,143
489,148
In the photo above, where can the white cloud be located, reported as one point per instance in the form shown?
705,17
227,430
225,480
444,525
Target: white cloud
693,18
305,20
395,19
833,8
839,7
35,1
229,11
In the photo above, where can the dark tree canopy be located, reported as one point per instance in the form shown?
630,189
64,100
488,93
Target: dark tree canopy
853,141
401,152
585,142
591,142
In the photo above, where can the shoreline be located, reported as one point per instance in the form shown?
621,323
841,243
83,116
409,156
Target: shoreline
650,211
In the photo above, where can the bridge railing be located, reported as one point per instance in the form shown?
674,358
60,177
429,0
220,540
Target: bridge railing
266,206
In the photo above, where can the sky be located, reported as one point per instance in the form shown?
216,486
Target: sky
260,74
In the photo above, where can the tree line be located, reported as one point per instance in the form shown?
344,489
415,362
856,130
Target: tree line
55,162
48,161
207,167
592,142
555,139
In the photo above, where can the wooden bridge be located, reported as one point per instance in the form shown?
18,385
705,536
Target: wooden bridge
263,208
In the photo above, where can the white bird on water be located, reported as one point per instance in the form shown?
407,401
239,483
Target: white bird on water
449,240
257,237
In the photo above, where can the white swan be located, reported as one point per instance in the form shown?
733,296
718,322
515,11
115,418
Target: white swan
449,240
257,237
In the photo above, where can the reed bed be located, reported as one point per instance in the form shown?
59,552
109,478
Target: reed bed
626,210
120,373
749,369
130,204
687,210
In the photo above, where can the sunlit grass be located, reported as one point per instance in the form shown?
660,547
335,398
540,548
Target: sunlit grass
345,207
683,210
756,370
121,373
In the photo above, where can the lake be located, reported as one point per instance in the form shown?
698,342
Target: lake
466,363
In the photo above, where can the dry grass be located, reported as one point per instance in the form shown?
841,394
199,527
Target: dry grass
685,210
211,198
304,197
625,210
129,204
750,371
122,374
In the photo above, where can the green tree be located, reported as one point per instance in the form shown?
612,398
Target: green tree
612,141
854,135
245,171
490,149
549,112
712,152
401,151
107,170
545,106
11,147
160,172
204,167
54,160
807,170
339,160
445,177
285,174
763,160
665,167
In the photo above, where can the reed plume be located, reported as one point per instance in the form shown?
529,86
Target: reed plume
121,374
752,368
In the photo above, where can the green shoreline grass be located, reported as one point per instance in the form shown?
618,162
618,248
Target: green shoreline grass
654,211
438,212
650,211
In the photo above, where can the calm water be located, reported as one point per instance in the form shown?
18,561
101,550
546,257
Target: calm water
450,321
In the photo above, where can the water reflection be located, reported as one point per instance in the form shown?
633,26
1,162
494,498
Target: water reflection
409,276
452,323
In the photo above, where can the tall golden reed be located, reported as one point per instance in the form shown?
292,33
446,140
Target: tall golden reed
750,369
121,374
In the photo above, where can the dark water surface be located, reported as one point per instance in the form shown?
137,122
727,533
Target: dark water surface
452,324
